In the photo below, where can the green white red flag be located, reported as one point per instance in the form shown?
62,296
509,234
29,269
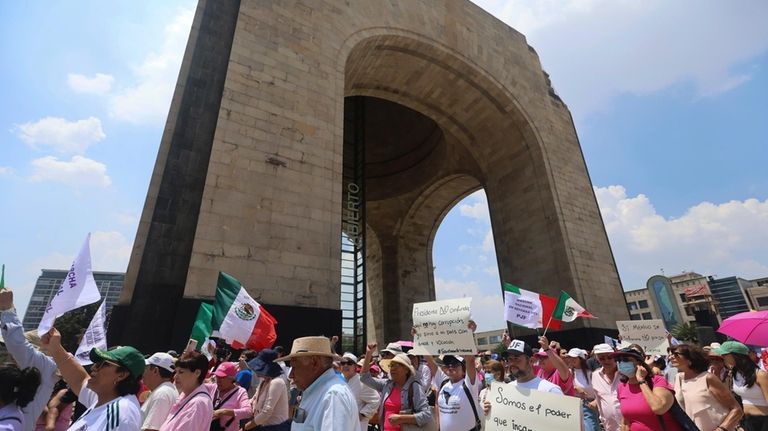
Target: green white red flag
529,309
568,310
239,319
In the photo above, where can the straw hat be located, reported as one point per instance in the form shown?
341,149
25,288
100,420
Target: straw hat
309,346
401,359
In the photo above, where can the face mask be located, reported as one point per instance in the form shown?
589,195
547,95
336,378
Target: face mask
488,379
627,368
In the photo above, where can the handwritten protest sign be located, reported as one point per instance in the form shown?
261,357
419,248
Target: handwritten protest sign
651,335
441,327
519,409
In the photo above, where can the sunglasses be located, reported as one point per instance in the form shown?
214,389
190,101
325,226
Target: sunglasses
101,364
343,363
623,359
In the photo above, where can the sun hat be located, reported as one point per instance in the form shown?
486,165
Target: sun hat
519,347
125,356
577,353
161,360
226,369
628,352
732,347
602,348
401,359
309,346
393,348
264,364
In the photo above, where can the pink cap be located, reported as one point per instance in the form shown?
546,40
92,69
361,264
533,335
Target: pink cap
227,369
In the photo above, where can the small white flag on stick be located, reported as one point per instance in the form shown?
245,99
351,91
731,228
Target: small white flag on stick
95,336
78,289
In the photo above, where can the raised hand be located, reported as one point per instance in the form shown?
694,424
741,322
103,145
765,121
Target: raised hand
544,342
641,373
472,325
51,339
6,299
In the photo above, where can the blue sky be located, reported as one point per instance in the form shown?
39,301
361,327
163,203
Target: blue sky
669,99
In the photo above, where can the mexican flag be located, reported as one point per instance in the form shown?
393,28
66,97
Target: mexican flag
527,300
241,321
202,328
568,310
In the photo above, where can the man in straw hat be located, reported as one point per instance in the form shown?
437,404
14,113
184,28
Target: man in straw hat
326,401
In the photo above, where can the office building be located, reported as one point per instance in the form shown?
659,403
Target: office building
731,296
110,285
640,305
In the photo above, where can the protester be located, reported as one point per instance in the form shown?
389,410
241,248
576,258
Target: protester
367,398
244,376
423,373
642,395
230,401
457,390
158,376
718,368
605,383
390,351
576,359
494,372
326,402
520,361
17,390
25,355
553,368
58,414
749,382
403,399
193,409
108,392
701,394
269,404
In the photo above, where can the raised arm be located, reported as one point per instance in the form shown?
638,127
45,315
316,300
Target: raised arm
659,399
554,356
72,372
469,360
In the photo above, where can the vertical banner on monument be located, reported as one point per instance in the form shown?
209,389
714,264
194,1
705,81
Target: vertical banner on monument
520,409
649,334
441,327
660,289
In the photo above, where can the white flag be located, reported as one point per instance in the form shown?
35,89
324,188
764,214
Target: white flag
78,289
95,336
522,310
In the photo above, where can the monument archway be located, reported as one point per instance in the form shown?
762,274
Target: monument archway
250,177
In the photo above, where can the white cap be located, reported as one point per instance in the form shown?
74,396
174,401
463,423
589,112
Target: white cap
350,356
577,353
602,348
162,360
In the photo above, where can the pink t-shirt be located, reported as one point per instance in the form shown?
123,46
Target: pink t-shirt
192,412
392,406
554,377
636,411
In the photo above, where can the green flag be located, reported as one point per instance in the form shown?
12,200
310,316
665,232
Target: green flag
2,278
202,329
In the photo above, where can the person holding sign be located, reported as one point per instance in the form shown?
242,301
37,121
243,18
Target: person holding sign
643,396
553,368
402,399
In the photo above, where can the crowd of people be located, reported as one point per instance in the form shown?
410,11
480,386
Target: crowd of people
715,388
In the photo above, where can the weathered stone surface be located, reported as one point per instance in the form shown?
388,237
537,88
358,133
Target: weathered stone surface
270,208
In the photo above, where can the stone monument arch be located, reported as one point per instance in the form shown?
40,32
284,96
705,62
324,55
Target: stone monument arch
313,148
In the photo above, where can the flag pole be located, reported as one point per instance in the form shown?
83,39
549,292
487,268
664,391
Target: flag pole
545,329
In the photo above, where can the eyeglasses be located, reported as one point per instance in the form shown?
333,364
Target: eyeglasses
675,355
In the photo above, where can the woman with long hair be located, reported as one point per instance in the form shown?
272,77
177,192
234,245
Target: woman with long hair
17,389
643,396
700,393
270,402
108,392
582,383
402,397
749,382
194,409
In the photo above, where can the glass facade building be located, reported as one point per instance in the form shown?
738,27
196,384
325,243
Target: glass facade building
730,293
110,284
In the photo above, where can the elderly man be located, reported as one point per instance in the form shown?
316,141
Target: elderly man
326,401
605,382
158,376
367,398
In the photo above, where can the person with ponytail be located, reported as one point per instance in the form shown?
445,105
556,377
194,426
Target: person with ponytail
749,382
17,390
576,359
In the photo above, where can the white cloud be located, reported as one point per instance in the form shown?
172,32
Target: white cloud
110,251
147,101
464,269
487,303
5,170
492,270
478,210
78,172
597,50
98,84
67,137
128,219
724,239
488,245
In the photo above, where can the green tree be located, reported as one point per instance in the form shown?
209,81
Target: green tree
73,324
685,332
500,349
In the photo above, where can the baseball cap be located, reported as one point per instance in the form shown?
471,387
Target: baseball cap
602,348
161,360
449,360
125,356
577,353
732,347
226,369
519,347
350,356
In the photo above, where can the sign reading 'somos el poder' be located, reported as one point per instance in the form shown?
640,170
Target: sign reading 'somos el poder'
441,327
651,335
518,409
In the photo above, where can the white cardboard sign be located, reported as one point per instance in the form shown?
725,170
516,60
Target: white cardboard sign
651,335
441,327
519,409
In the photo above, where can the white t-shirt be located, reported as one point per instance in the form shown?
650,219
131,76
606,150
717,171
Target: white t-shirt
156,408
580,381
11,418
455,411
539,384
120,414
